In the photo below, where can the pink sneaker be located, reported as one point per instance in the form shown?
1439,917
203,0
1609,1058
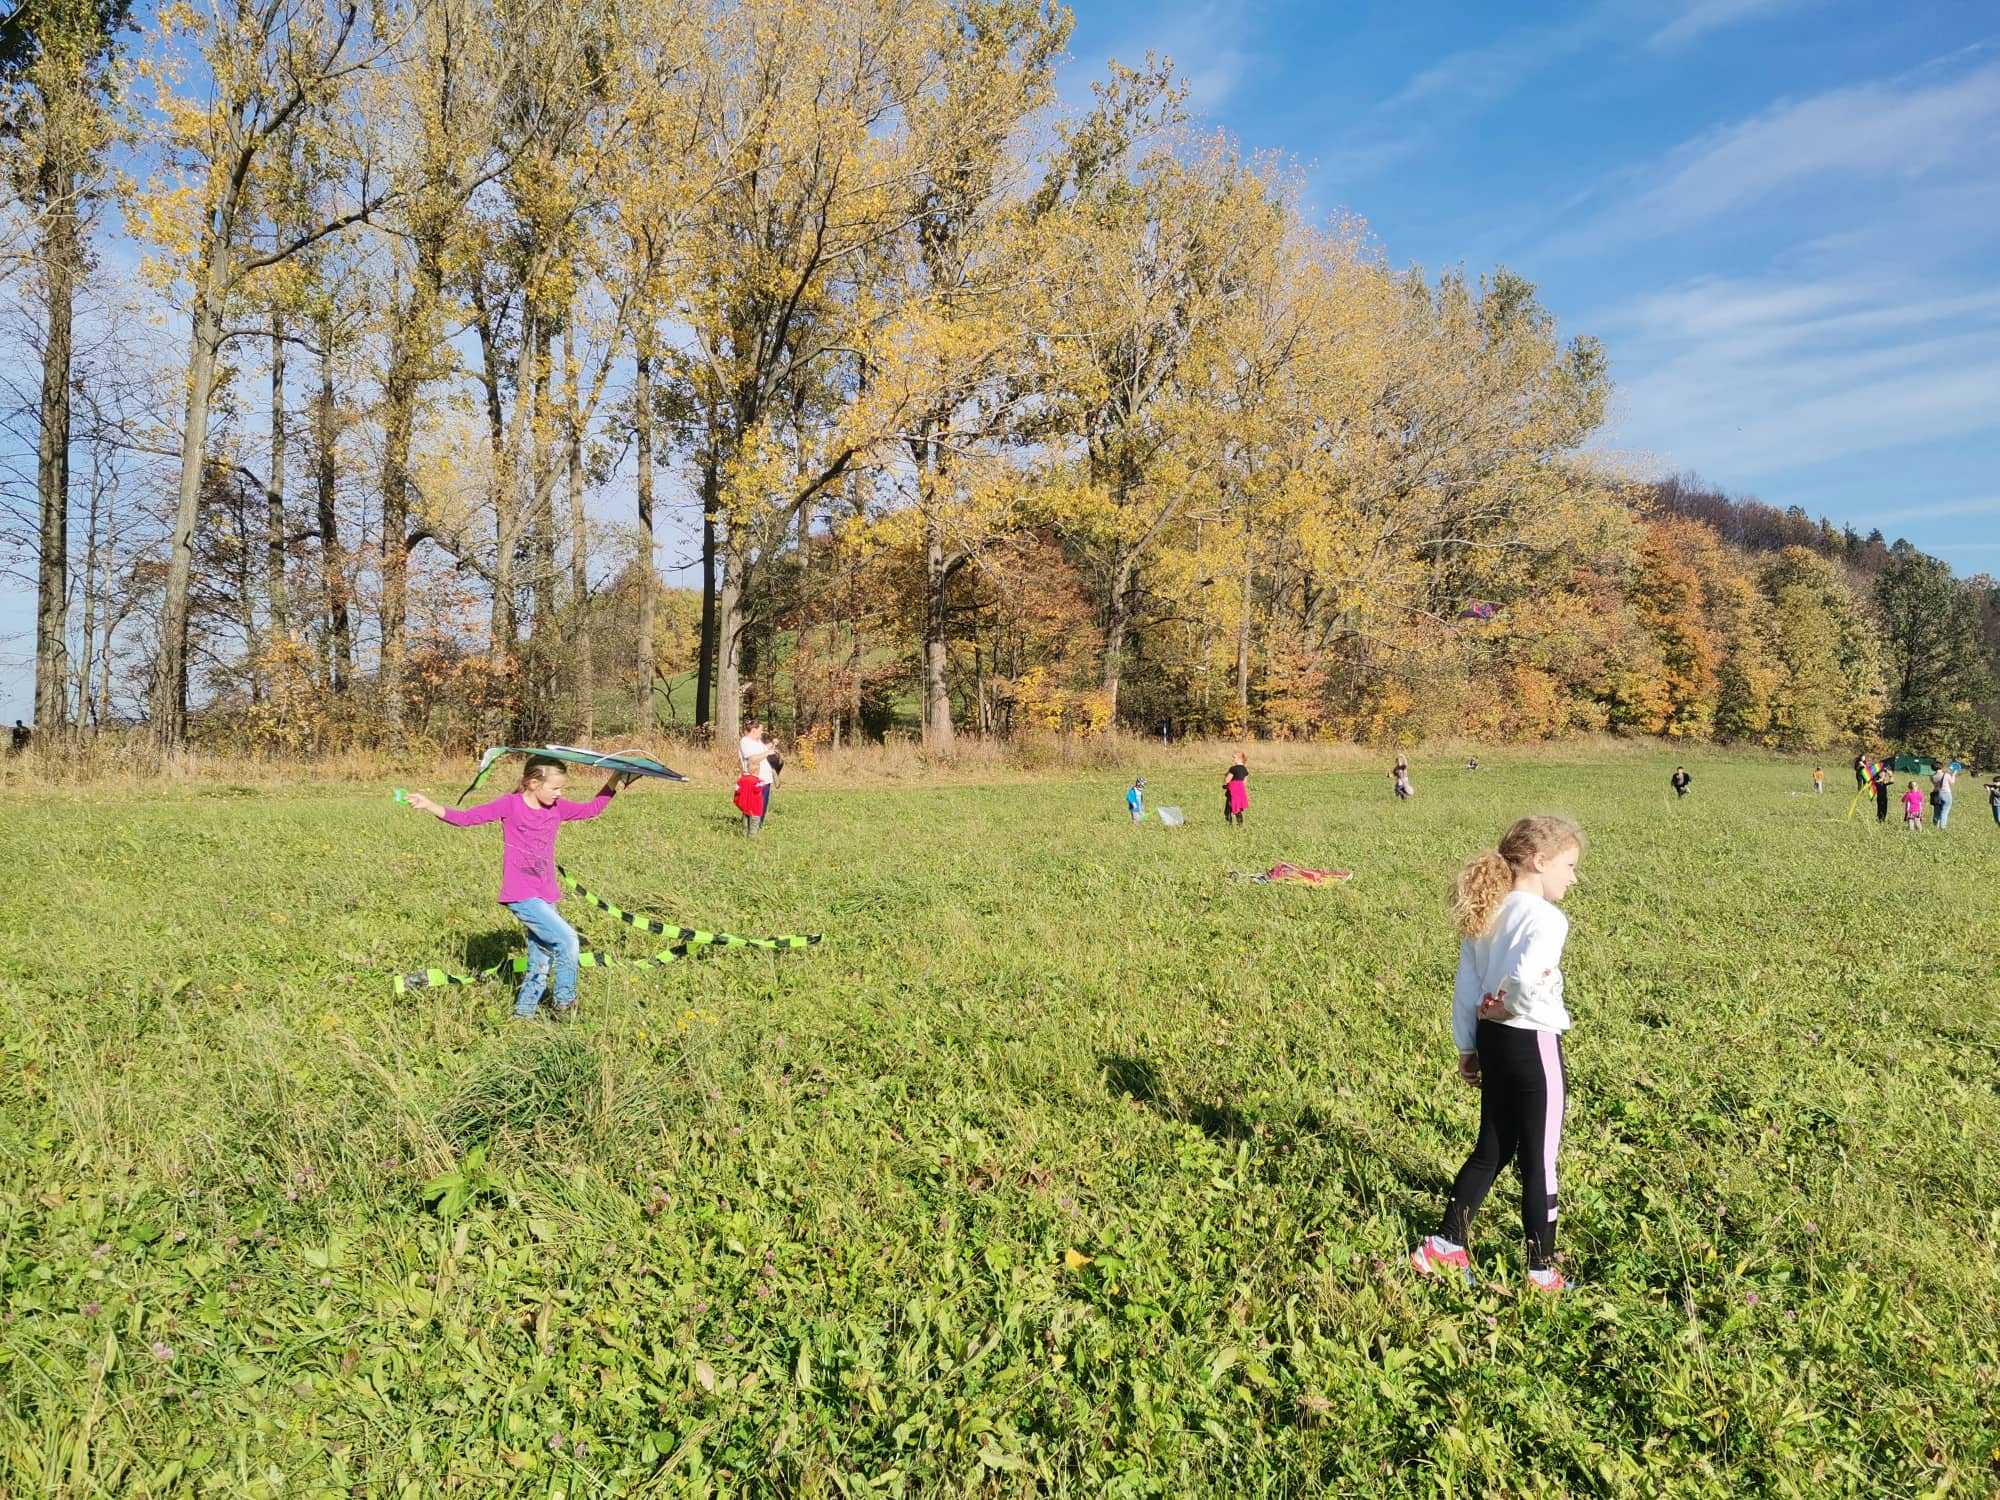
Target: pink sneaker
1550,1281
1432,1260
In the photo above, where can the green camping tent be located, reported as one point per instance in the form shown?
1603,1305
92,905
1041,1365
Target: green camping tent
1911,765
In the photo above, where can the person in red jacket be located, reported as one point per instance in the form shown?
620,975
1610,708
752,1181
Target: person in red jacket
750,795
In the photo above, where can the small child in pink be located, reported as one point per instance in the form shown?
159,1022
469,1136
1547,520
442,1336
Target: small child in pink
1913,809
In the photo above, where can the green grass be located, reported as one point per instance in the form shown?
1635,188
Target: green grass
1066,1165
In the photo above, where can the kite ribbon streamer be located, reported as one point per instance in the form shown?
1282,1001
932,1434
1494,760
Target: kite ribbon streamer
687,938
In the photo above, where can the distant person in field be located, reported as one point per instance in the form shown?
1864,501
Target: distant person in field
1236,792
749,800
1508,1017
530,816
22,734
1883,780
1135,800
1944,781
1402,778
757,756
1819,780
1993,798
1680,781
1472,763
1860,771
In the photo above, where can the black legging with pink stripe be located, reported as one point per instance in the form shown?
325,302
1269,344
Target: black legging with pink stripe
1523,1088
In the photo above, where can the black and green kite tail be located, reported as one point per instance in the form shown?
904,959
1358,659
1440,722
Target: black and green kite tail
592,958
692,936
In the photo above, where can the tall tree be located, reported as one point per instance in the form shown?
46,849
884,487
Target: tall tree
1931,641
54,67
267,66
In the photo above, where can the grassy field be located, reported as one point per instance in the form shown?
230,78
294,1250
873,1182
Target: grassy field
1067,1165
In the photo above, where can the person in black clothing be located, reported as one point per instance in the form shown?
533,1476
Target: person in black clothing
1883,781
1860,771
22,734
1681,781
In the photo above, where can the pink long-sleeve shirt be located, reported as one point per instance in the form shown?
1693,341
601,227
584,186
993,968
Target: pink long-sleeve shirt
527,840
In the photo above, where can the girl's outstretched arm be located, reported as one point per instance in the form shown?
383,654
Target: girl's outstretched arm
424,804
573,812
461,817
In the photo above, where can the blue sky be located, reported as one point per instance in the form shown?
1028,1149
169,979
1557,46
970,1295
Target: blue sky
1781,216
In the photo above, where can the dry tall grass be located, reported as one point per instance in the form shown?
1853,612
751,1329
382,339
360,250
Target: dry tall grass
129,760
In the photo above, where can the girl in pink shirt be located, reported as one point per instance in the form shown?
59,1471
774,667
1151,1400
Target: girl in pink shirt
529,818
1913,809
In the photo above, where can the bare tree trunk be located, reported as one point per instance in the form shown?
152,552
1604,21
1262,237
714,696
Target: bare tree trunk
711,496
409,355
1243,634
503,493
111,625
274,490
333,561
579,545
170,685
642,431
542,520
802,706
1117,623
87,638
729,648
57,189
938,733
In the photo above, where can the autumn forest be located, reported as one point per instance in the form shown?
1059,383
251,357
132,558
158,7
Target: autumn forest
372,369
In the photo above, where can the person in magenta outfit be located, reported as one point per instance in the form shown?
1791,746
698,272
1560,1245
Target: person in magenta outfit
1236,792
530,817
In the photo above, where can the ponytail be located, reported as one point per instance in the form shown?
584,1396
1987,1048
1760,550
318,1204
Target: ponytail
1487,878
1482,885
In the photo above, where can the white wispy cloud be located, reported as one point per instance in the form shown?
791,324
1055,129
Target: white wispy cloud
1461,85
1209,42
1752,378
1989,506
1936,131
1700,17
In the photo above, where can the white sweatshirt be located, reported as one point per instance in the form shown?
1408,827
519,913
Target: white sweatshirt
1518,958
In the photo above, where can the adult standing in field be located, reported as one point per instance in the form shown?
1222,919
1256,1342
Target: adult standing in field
1993,799
1943,781
757,756
1860,770
1401,775
22,734
1680,781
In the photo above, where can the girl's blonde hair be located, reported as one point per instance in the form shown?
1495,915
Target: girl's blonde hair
1487,878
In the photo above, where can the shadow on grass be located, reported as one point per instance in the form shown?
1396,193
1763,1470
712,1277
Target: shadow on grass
1137,1079
490,948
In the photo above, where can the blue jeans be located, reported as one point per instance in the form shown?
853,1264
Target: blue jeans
549,938
1943,812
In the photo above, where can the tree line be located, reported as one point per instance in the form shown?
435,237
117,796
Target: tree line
366,359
